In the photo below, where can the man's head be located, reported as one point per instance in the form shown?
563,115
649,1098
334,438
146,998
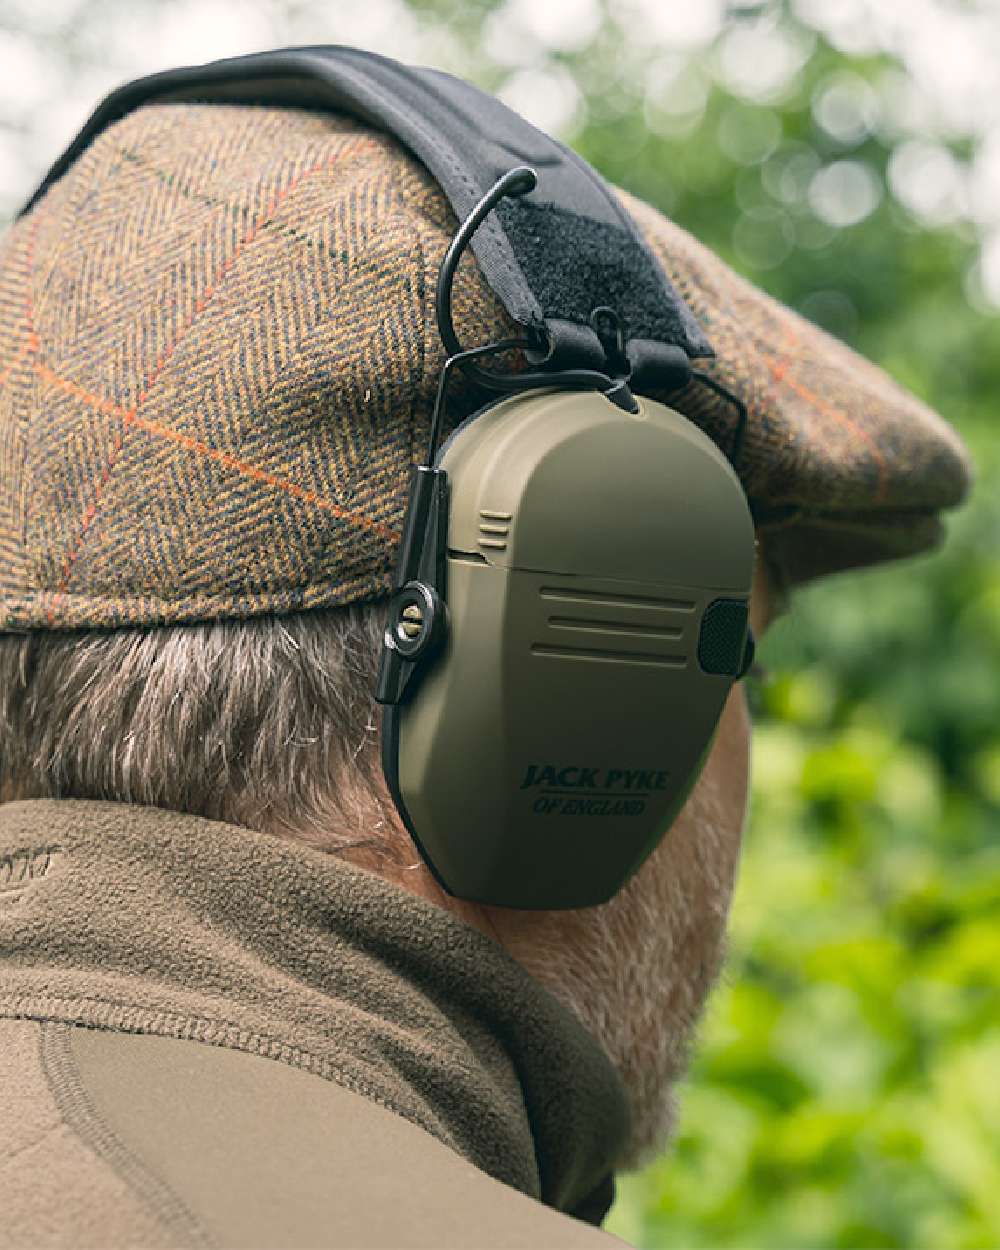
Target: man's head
272,724
221,367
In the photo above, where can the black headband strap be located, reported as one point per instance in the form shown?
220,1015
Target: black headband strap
551,257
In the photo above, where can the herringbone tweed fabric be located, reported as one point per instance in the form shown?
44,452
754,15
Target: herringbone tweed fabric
217,362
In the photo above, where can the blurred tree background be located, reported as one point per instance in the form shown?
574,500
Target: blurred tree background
845,156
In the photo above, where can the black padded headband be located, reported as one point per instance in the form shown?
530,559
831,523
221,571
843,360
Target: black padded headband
551,256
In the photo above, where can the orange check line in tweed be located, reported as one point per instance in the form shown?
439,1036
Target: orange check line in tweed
780,365
780,373
131,417
200,305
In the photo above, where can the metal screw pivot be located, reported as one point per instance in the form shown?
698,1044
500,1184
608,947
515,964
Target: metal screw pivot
412,621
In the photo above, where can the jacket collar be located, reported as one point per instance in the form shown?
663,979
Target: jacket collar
152,921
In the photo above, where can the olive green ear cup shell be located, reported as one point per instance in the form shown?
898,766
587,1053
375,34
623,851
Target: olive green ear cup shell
593,556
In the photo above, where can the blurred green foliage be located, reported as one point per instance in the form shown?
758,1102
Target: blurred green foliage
846,1089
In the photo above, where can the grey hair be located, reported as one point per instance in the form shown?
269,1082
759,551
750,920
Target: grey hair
269,723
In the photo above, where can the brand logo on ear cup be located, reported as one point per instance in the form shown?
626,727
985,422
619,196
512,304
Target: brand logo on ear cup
634,781
576,790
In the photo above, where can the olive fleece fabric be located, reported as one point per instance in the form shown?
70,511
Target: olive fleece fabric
56,1190
142,920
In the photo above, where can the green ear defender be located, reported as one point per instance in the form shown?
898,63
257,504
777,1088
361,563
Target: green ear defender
571,612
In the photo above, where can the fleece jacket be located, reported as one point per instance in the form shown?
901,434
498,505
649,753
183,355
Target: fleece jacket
211,1036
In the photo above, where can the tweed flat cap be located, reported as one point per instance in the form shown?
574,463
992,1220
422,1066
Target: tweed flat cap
218,354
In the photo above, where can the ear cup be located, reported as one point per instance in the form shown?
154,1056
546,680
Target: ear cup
598,573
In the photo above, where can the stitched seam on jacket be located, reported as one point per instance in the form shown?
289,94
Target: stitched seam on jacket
118,1017
79,1113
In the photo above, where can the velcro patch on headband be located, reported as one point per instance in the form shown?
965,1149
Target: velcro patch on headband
552,256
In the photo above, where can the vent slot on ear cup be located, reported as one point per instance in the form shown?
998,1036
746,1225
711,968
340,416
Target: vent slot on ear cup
494,529
571,594
602,653
615,627
586,624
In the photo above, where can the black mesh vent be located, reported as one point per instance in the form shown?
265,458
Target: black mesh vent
722,637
